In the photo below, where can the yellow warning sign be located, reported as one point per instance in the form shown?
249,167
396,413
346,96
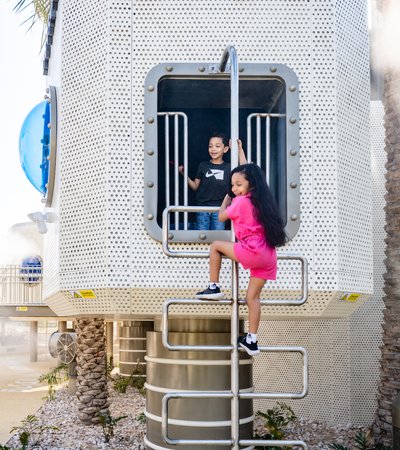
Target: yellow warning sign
350,297
84,293
21,308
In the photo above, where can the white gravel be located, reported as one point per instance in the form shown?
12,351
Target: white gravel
129,432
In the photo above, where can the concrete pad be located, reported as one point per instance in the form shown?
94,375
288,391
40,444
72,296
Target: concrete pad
20,392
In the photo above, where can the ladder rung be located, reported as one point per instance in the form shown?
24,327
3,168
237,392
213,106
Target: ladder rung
197,348
271,443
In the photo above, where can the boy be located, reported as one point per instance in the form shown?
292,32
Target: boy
212,181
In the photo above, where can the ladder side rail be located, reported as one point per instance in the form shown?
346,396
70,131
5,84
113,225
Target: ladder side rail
230,53
185,167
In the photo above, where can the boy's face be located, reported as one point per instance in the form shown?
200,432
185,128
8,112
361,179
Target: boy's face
216,148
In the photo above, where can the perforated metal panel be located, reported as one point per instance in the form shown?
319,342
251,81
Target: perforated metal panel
99,63
344,353
103,243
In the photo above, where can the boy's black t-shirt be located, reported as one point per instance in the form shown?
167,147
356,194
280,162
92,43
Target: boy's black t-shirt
214,183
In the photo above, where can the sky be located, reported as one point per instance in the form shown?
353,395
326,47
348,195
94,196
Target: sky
23,87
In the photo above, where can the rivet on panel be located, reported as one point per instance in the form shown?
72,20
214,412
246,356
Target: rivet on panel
202,236
272,69
150,88
241,69
293,185
292,120
292,88
293,152
150,152
150,184
150,120
169,69
170,236
202,69
294,217
150,216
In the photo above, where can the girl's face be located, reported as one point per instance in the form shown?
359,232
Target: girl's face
240,185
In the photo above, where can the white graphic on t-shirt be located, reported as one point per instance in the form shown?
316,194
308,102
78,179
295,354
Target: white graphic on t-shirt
218,174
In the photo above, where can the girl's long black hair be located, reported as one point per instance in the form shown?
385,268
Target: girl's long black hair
266,210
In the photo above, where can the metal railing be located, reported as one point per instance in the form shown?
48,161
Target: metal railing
258,117
167,160
21,285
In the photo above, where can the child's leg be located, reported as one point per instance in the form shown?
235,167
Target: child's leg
217,250
253,302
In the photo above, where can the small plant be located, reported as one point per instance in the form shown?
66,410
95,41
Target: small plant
275,420
363,440
140,418
30,428
4,447
56,376
108,424
136,380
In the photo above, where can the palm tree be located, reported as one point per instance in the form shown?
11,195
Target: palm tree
389,384
37,10
91,368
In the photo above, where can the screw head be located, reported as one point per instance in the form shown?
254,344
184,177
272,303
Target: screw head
150,216
241,69
294,217
272,69
150,152
202,69
169,68
292,88
150,184
293,120
202,236
293,185
150,88
170,236
150,120
293,152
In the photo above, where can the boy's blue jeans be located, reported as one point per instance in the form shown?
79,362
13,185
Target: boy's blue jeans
208,221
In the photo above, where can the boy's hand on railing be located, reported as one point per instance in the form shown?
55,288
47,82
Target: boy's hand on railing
181,168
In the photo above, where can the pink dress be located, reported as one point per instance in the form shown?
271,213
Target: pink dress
251,250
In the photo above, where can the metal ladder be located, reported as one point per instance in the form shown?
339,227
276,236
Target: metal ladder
235,395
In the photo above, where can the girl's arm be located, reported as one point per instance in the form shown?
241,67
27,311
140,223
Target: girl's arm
241,154
222,215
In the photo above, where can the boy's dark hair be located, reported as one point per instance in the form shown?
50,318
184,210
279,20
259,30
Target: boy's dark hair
221,136
266,210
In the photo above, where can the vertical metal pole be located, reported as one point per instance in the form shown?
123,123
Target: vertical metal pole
185,169
267,147
167,199
176,167
231,53
249,138
33,341
258,119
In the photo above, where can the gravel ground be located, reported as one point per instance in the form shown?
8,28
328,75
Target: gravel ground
129,432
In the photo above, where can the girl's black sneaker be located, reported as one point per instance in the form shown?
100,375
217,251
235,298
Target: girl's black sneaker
210,294
251,349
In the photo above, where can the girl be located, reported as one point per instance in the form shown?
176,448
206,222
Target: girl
258,229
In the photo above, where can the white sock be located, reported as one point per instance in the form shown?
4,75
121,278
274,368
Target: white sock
251,337
213,285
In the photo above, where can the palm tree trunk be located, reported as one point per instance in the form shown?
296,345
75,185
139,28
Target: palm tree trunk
389,385
91,369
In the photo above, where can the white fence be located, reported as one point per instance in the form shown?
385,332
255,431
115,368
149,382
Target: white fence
21,285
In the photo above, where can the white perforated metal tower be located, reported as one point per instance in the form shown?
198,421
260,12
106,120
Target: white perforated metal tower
100,57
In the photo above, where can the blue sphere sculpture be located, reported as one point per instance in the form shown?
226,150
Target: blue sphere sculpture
34,146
